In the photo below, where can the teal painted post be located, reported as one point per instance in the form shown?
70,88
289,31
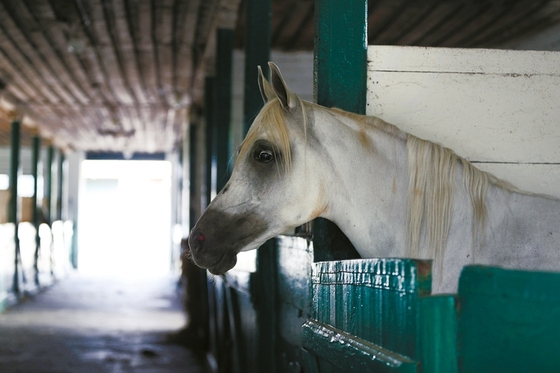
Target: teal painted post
438,334
60,185
210,177
210,189
509,320
341,54
13,216
340,80
194,197
222,100
48,185
35,159
257,53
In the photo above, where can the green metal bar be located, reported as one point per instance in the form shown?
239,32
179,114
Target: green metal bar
35,160
13,212
509,320
222,100
48,185
438,334
257,53
350,353
340,80
193,176
60,185
341,54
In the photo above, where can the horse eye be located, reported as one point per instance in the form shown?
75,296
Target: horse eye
264,156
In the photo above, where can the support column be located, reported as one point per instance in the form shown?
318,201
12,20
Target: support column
222,100
47,198
35,161
13,209
191,151
60,185
340,71
257,53
210,172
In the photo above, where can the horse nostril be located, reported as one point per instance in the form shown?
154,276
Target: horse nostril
196,241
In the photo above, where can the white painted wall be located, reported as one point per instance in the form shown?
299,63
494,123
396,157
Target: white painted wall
497,108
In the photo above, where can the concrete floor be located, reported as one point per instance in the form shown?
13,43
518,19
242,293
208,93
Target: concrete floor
86,324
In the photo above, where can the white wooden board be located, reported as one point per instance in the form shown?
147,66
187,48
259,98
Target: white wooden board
497,108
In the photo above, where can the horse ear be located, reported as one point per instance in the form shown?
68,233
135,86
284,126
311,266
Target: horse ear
287,98
267,92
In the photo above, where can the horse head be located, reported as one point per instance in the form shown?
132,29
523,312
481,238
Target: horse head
272,187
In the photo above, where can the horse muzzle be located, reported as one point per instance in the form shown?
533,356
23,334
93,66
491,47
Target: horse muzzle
205,255
217,238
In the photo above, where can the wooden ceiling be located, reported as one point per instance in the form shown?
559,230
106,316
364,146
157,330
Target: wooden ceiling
121,75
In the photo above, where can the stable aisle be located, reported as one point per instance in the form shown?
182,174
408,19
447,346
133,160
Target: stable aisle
93,324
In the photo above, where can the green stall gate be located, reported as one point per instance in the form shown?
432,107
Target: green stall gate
377,315
306,304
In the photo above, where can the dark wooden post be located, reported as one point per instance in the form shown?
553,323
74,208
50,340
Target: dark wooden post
257,53
13,213
340,80
35,160
47,210
60,185
222,100
210,186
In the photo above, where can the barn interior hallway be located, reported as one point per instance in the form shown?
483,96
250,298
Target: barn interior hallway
97,324
120,310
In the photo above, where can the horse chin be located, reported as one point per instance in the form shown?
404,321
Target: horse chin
224,264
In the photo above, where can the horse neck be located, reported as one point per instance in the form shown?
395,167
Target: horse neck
366,180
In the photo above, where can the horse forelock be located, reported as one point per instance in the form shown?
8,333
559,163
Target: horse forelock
270,123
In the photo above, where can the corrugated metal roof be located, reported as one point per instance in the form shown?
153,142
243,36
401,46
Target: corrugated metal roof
121,75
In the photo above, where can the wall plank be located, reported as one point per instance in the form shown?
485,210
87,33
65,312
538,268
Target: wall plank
497,108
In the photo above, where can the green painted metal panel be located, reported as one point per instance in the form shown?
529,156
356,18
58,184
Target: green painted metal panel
222,346
438,334
222,104
257,52
340,75
295,259
350,353
509,321
377,300
341,54
265,304
293,301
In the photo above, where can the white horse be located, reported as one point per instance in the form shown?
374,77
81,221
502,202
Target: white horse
392,194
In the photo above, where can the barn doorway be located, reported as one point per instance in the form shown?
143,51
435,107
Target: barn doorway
124,218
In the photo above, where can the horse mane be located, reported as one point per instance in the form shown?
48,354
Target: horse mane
431,178
431,184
